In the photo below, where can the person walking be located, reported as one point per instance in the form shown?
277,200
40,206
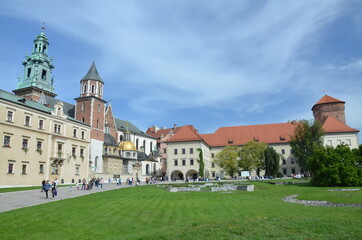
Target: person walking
46,188
42,185
54,189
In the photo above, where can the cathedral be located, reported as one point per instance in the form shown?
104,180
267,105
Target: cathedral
47,138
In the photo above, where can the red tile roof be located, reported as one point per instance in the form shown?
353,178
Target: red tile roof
239,135
328,99
331,125
186,133
161,132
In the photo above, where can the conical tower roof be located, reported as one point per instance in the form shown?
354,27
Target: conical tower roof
92,74
327,99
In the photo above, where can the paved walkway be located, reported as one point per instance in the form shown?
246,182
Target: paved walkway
14,200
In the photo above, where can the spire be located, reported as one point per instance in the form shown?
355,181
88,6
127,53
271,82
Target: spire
92,74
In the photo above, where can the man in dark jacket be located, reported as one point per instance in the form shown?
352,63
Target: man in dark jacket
46,188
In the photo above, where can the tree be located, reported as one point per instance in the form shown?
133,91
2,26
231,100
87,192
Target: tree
335,167
201,162
272,159
252,156
228,159
307,137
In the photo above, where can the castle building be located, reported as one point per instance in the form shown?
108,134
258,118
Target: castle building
47,138
180,142
41,139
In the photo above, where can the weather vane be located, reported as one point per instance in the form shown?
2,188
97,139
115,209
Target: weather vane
43,27
325,92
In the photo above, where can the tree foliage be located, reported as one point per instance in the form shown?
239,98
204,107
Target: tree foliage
335,167
252,156
228,159
272,159
307,137
201,163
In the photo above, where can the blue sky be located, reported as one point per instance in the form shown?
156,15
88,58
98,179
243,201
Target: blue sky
206,63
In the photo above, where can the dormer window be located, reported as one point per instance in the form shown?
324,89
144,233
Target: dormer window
230,141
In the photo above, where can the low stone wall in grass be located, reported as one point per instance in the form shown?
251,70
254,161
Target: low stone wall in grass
212,188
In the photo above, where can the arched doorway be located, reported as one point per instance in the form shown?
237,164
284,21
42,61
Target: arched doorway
191,174
177,175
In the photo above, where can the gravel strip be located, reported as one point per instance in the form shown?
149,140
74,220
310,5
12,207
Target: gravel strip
317,203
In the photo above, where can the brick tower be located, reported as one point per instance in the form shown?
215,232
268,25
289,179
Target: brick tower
329,106
90,109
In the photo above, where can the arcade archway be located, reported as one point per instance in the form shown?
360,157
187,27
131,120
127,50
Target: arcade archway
177,175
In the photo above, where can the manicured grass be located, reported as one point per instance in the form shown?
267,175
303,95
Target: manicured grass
16,189
150,212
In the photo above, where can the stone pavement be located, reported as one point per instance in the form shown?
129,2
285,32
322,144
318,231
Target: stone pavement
14,200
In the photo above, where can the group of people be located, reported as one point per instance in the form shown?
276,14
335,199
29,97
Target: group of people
46,186
97,182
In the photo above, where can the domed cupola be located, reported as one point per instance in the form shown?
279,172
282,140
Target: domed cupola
127,148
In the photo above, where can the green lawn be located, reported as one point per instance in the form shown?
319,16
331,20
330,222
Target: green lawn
150,212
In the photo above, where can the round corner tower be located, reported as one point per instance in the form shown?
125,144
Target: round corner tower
329,106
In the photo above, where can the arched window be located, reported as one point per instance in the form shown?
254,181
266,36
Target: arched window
96,162
151,147
147,169
100,90
92,88
83,106
144,145
85,88
97,123
82,119
137,143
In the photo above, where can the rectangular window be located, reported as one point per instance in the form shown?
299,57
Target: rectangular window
164,150
41,168
75,133
292,161
11,168
183,162
9,116
27,121
23,169
213,165
329,143
339,142
77,170
60,147
191,151
54,169
348,142
74,149
284,171
83,135
284,162
7,141
41,124
213,174
39,145
191,162
175,151
25,143
175,162
212,155
57,128
293,170
183,151
283,151
82,152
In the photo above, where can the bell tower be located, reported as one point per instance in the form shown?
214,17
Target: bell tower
90,108
37,71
